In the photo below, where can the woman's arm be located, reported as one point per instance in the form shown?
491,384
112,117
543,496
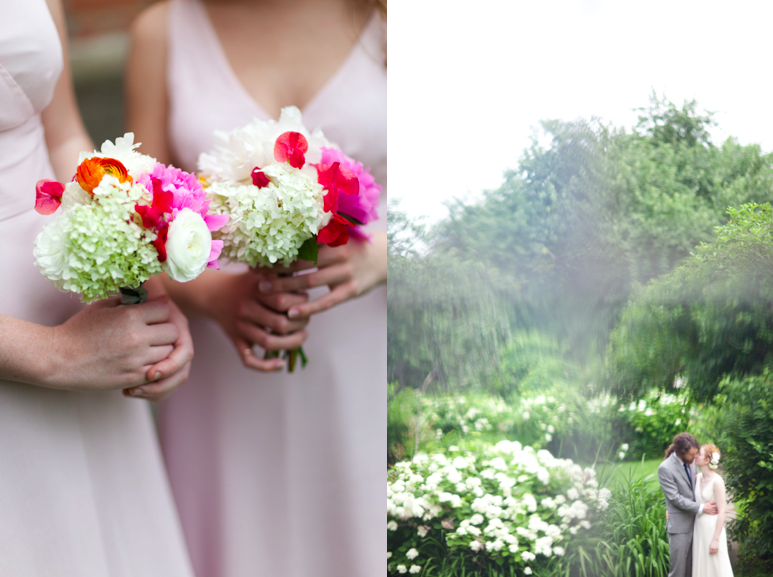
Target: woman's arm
66,136
721,498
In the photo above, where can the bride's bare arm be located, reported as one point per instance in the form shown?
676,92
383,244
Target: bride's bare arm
721,499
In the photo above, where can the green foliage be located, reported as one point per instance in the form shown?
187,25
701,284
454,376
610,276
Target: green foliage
630,539
582,222
746,424
707,319
403,422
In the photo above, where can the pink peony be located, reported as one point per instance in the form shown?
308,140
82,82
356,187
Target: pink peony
187,193
363,206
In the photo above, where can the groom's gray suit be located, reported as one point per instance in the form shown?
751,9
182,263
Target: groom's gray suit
682,509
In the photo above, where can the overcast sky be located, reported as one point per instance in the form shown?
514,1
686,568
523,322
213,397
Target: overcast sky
469,79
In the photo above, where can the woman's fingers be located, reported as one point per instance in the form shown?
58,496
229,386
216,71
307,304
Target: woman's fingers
330,275
268,341
162,334
255,313
160,390
157,354
338,294
253,362
281,302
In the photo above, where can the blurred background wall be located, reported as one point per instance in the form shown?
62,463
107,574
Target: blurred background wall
98,35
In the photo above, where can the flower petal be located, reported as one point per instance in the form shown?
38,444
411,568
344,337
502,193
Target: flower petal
259,179
48,196
160,242
214,254
336,232
215,221
336,179
291,147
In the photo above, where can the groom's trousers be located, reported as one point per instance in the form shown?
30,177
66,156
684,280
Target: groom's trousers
680,545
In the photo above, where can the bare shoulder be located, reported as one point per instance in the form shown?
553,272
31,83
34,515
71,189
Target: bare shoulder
150,25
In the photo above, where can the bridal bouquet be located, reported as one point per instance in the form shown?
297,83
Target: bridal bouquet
124,218
285,190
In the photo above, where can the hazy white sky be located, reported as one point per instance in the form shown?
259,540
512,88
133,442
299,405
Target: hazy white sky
469,79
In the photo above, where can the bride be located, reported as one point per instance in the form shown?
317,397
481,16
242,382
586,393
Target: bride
709,544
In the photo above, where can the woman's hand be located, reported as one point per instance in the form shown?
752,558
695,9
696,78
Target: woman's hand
173,371
714,547
109,346
349,271
251,318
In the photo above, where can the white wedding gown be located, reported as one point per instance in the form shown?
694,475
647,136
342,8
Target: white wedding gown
703,563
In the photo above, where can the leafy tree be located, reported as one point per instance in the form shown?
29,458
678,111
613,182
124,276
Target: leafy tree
710,318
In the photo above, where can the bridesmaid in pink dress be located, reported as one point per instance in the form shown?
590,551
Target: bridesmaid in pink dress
83,492
275,474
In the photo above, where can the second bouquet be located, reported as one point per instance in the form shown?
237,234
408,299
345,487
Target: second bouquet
285,191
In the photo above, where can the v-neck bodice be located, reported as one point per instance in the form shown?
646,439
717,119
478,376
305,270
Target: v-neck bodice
206,95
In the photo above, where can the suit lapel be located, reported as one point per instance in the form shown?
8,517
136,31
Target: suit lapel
679,465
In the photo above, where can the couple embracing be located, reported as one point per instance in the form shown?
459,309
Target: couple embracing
696,505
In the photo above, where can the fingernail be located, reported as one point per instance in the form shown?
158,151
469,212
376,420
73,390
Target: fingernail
279,365
292,313
264,286
156,376
137,392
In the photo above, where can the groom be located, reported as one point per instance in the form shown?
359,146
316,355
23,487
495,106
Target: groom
677,475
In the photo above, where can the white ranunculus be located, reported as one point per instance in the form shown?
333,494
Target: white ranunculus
188,245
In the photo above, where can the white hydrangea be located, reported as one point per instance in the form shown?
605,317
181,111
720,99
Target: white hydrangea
238,152
412,553
97,247
415,569
268,225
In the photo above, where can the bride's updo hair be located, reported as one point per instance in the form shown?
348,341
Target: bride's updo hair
681,445
709,449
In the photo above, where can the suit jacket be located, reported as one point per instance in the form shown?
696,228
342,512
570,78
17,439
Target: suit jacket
679,493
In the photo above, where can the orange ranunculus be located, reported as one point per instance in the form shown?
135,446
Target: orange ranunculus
91,171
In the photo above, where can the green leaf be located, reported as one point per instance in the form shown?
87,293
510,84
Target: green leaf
309,250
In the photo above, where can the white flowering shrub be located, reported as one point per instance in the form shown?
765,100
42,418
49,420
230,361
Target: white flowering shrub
492,505
647,425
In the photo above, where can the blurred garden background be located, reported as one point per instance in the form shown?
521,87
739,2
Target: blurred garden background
98,41
615,290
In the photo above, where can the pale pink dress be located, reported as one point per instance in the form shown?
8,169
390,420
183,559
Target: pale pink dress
281,474
83,492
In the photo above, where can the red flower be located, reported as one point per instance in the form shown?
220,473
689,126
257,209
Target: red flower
91,171
162,203
336,232
291,147
48,196
259,179
160,242
336,179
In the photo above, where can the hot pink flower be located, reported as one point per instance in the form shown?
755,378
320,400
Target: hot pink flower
363,206
187,192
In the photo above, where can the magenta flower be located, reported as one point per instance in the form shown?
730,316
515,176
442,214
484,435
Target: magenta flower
187,192
363,206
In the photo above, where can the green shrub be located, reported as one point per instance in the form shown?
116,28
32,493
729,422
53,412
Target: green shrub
746,426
